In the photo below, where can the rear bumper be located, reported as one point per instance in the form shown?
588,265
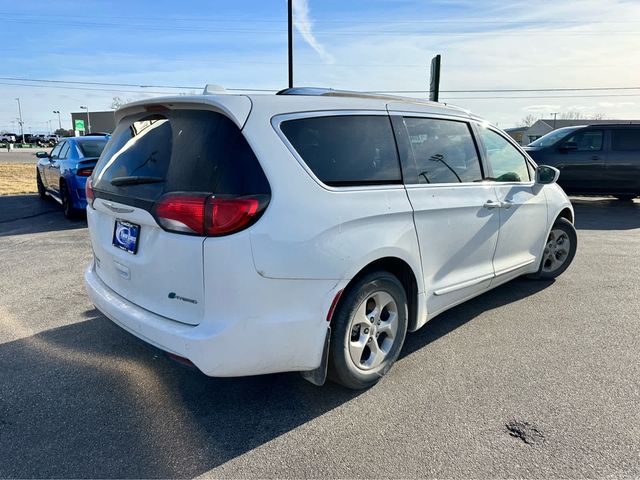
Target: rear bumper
77,188
289,340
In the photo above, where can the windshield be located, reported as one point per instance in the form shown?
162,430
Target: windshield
552,138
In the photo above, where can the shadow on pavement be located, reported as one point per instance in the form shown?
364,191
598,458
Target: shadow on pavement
596,213
90,401
23,214
456,317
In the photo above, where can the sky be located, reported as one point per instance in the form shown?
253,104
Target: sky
366,45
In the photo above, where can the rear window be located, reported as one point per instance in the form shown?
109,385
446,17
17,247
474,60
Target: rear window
346,150
91,148
627,140
178,151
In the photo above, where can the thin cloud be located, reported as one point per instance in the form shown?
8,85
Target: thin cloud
540,108
303,23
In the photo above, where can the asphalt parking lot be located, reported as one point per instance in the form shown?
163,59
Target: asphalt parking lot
533,379
27,155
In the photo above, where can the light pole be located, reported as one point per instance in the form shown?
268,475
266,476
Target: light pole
88,118
21,122
555,114
59,121
50,132
290,40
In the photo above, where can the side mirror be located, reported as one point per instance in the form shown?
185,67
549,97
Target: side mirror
546,175
568,146
42,155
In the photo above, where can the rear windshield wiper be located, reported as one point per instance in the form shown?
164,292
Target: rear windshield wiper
134,180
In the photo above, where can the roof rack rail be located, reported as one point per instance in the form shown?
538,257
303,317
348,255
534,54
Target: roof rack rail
330,92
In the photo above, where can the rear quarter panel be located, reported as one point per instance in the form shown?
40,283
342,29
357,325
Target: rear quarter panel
314,232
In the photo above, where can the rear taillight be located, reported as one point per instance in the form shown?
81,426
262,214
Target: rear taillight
89,192
85,172
181,213
200,215
228,215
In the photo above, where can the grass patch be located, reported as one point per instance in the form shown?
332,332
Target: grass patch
17,178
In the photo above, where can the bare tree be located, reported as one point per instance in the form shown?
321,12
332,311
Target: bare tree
571,115
527,121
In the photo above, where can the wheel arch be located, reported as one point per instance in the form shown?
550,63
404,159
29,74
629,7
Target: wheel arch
401,269
566,213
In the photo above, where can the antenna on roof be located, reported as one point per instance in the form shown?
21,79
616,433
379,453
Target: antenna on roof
212,89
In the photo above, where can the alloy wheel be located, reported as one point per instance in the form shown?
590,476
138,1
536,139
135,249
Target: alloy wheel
556,250
373,330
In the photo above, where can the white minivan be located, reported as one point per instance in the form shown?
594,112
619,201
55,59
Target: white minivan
310,230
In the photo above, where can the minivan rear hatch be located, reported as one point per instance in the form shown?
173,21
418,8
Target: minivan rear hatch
151,187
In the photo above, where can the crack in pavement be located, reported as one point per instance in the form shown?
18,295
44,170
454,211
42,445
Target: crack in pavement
525,431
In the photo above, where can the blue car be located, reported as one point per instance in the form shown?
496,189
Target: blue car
62,173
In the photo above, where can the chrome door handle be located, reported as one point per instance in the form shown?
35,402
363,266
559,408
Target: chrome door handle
490,204
507,204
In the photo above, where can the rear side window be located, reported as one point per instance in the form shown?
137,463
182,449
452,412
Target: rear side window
627,140
444,151
178,151
346,150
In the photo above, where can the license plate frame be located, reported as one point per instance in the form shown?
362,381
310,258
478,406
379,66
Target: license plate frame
126,236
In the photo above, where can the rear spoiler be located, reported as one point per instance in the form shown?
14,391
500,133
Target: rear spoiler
235,107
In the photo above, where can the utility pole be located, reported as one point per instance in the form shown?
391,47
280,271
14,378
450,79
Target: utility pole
555,114
88,119
290,40
21,122
59,121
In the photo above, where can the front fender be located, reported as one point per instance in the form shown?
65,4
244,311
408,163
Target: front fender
557,201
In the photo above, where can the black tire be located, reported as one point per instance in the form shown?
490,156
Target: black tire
626,198
67,204
545,271
342,368
42,191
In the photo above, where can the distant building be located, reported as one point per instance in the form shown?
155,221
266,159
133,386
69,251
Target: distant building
100,122
526,135
517,134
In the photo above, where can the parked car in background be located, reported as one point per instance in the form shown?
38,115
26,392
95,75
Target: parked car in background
310,229
62,173
7,138
599,159
43,140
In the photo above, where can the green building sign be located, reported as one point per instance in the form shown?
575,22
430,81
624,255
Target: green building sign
79,124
